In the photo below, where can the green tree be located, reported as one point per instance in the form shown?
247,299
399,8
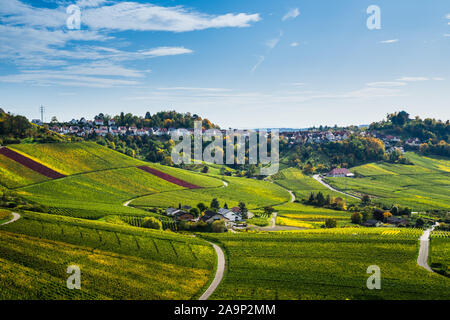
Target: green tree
244,210
365,200
195,212
330,223
201,206
214,204
356,218
268,210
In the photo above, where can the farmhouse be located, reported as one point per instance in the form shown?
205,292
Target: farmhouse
184,216
230,215
340,172
372,223
397,221
211,216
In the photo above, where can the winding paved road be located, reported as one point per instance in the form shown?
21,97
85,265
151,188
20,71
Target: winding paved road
16,217
127,203
318,178
219,273
422,259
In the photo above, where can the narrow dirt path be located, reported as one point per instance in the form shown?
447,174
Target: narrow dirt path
273,220
290,191
422,259
219,273
16,217
319,179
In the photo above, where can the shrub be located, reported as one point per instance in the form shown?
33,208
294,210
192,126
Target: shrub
218,226
152,223
356,218
330,223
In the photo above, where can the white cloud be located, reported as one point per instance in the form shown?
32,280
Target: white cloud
447,35
390,41
413,79
295,44
117,15
291,14
195,89
166,51
438,79
65,78
90,3
386,84
147,17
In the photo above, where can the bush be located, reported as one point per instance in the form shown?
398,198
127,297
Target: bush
218,226
330,223
195,212
152,223
356,218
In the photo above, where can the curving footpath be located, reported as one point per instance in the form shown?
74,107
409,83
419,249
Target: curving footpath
422,259
16,217
219,273
318,178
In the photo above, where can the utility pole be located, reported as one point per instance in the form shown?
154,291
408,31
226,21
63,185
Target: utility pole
42,113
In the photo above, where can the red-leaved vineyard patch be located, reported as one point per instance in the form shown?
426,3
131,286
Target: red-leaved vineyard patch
31,164
169,178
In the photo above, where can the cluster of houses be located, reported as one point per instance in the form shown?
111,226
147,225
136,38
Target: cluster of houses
230,216
391,142
315,136
101,127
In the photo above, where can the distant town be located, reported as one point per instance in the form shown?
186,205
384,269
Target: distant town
103,127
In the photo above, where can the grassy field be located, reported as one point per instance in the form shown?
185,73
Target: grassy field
254,193
422,186
440,252
117,262
326,264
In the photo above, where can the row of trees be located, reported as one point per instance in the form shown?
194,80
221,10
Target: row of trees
162,119
321,157
16,129
319,200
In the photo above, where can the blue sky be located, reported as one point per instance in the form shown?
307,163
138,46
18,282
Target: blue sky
240,63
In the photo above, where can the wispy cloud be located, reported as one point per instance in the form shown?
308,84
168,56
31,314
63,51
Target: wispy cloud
260,60
272,43
195,89
387,84
35,38
413,79
147,17
390,41
291,14
295,44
